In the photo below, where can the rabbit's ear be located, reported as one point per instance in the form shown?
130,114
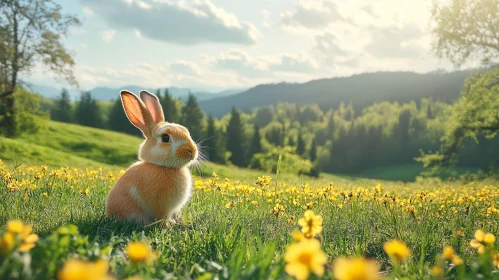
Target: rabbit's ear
137,112
152,103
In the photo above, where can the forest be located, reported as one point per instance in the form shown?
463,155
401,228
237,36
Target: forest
309,139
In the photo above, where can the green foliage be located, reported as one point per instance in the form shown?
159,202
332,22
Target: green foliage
255,146
31,33
236,139
88,112
466,29
62,110
313,151
192,117
214,143
170,107
291,163
28,118
300,144
475,114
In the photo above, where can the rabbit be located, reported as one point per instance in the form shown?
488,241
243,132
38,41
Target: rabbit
158,185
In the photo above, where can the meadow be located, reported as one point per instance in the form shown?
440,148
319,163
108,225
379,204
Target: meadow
239,224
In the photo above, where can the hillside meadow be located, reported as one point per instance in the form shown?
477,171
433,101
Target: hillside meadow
239,224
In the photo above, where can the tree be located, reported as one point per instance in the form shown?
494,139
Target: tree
402,131
475,113
264,115
466,29
31,33
330,127
256,142
313,151
170,108
62,111
214,143
88,111
300,144
235,139
192,117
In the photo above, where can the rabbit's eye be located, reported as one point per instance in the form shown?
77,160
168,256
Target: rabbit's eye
165,138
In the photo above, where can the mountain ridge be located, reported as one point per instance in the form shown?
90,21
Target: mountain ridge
361,90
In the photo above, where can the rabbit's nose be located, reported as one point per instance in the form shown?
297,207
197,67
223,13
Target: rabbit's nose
191,153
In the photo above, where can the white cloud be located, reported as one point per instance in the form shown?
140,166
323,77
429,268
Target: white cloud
395,42
178,22
312,14
295,63
107,36
137,34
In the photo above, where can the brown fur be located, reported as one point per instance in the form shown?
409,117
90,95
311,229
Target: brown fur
160,184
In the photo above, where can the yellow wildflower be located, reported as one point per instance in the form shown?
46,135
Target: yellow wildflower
75,269
482,239
139,252
448,253
16,230
495,259
15,226
397,250
437,271
305,257
456,260
297,235
356,269
311,224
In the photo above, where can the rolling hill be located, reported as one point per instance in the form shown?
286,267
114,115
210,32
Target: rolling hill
109,94
362,90
70,145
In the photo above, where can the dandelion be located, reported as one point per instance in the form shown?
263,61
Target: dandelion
305,257
139,252
75,269
18,232
397,250
449,254
297,235
495,259
437,271
481,240
311,224
356,269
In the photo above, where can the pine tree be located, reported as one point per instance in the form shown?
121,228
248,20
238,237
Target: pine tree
291,141
62,111
429,113
256,144
118,120
192,117
235,139
313,151
214,143
170,108
300,145
88,111
330,127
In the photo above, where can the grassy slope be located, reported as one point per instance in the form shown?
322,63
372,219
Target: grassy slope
62,144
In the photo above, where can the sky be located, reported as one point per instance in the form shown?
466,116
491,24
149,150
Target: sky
215,45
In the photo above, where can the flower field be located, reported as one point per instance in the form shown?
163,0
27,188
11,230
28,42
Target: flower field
53,226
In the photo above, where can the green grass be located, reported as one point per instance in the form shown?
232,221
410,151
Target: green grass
247,241
243,242
406,172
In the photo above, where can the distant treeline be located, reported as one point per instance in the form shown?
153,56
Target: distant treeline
309,139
